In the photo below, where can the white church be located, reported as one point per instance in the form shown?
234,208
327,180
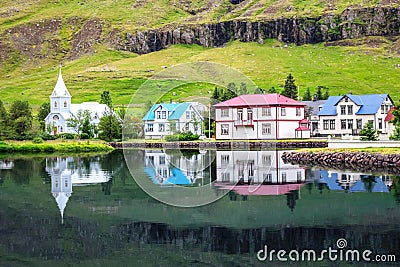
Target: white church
61,109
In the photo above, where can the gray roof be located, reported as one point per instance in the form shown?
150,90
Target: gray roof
315,105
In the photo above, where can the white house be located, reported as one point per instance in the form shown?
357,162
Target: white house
346,115
257,172
61,109
260,116
166,118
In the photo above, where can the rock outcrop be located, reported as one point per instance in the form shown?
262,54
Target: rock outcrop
352,23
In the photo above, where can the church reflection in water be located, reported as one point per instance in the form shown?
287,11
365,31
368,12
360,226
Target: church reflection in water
68,172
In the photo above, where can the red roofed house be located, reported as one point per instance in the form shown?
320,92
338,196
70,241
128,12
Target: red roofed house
260,116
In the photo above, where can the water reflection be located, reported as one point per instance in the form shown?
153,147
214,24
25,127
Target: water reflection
257,173
352,181
66,172
176,167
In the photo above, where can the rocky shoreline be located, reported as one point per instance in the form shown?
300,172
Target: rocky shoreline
220,145
361,161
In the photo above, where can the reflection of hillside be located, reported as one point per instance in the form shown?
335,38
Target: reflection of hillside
67,172
177,168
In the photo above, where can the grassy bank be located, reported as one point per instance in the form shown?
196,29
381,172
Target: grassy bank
70,147
371,150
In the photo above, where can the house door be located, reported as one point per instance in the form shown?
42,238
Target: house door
55,130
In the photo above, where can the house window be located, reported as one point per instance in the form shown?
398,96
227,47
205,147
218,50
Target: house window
298,176
267,177
224,112
350,110
343,110
380,123
158,114
187,127
284,177
224,129
240,114
343,124
249,114
349,124
359,123
332,124
266,128
65,104
225,159
161,127
298,112
164,115
383,109
55,104
161,160
188,115
150,127
56,118
267,160
326,124
346,99
266,112
283,111
225,177
61,129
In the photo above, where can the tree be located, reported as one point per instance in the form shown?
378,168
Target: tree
319,95
87,127
290,88
272,90
79,122
307,95
109,127
232,87
326,94
133,127
227,94
216,94
259,90
122,112
20,117
243,88
44,110
106,99
396,123
368,133
4,121
147,106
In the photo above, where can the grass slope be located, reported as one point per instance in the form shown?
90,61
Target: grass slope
362,69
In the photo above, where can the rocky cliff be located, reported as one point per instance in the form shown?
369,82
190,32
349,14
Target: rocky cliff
352,23
71,38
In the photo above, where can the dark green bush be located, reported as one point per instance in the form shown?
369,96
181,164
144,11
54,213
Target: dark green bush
37,140
46,136
209,133
172,138
68,136
84,136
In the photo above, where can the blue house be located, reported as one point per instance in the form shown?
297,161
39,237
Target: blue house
346,115
167,118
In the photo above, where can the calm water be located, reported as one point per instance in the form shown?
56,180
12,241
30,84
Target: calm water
88,210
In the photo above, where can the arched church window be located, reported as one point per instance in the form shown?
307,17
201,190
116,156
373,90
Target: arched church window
61,129
55,104
55,117
65,104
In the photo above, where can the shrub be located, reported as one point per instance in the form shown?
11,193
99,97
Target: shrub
37,140
46,136
172,138
84,136
68,136
209,133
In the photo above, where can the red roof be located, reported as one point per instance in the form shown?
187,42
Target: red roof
302,128
389,116
260,100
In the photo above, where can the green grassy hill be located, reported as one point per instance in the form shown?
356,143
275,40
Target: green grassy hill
366,65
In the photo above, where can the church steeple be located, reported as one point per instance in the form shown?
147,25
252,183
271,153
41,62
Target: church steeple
60,98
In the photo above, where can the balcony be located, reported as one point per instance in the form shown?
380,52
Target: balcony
244,123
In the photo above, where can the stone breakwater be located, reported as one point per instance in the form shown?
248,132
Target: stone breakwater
360,161
219,145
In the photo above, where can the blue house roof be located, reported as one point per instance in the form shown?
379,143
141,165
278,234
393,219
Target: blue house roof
177,177
176,109
369,104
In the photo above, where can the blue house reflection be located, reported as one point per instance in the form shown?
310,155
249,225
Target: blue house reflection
354,182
